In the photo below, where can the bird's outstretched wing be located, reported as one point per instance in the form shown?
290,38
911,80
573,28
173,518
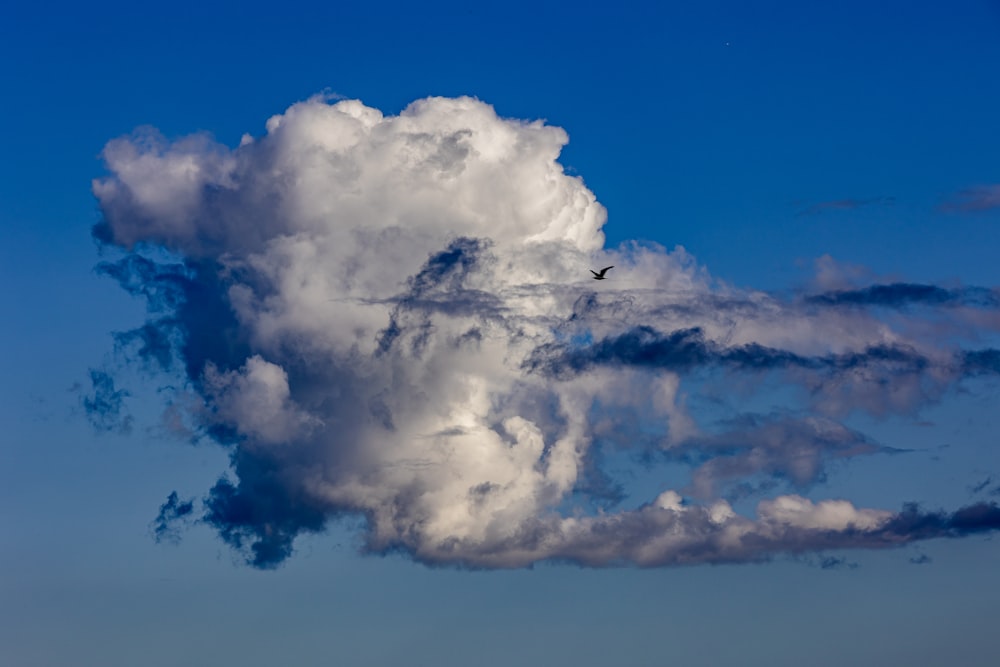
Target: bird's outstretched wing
600,276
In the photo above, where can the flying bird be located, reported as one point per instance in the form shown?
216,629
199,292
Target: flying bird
600,276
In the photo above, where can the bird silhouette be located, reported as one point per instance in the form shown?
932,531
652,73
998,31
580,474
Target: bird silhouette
600,276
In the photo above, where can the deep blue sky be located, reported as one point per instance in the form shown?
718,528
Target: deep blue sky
759,136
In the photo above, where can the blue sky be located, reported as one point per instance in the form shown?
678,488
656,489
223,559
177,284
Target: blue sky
761,139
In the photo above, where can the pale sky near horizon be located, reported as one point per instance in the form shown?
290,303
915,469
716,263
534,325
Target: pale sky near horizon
323,272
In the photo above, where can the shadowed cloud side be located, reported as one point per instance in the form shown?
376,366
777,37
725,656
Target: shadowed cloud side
443,275
258,518
687,349
912,523
196,316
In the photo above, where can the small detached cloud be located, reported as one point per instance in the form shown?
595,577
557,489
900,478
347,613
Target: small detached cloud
391,317
837,563
104,404
981,486
174,513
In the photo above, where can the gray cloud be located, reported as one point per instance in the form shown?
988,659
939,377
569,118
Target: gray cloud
391,317
779,447
685,350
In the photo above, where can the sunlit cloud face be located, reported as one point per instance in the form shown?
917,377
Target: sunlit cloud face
392,317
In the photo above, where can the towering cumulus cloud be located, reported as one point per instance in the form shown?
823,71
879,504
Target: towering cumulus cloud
391,317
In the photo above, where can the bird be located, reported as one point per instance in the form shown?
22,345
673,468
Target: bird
600,276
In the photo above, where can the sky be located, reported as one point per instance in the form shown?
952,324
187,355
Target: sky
305,362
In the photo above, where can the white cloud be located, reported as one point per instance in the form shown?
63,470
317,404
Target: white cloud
256,400
829,515
390,276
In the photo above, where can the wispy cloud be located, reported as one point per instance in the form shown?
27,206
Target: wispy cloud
837,563
845,205
972,200
391,317
173,514
898,295
104,404
780,447
981,486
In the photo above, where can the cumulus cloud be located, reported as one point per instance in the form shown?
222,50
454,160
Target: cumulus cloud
391,317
